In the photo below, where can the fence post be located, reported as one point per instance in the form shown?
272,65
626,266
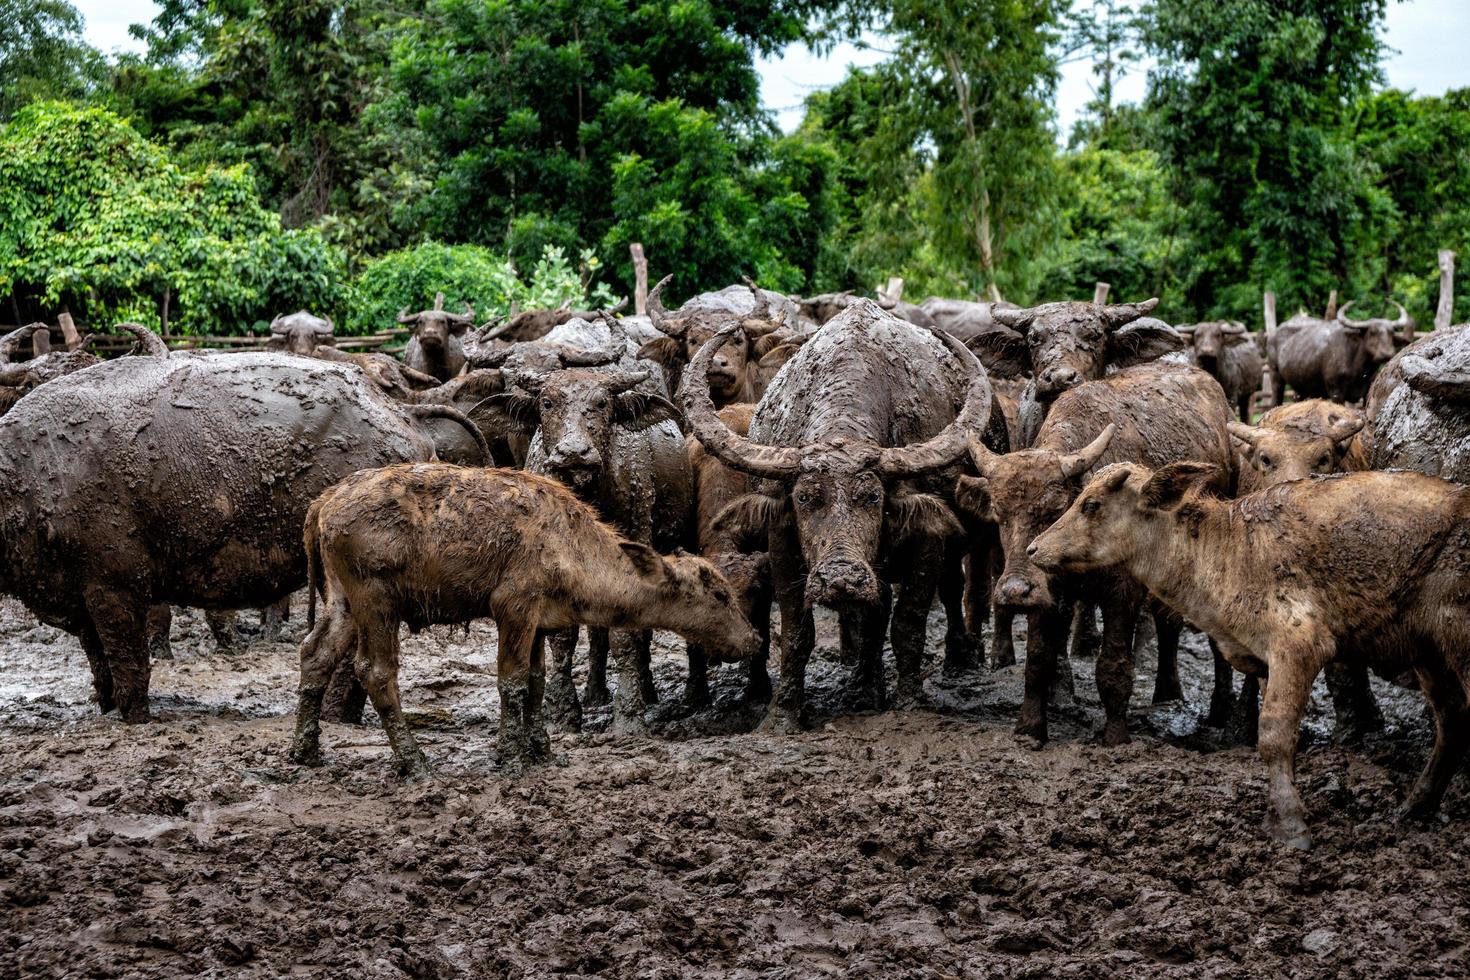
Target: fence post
1445,311
640,279
1100,293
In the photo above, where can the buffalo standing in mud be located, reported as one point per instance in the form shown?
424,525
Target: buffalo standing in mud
101,464
436,347
1368,566
1229,354
1152,413
866,408
434,543
300,333
1333,359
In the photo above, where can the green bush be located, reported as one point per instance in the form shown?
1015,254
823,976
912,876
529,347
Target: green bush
101,221
465,273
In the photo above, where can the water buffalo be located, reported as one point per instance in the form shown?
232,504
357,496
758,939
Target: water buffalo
716,486
16,380
735,373
102,465
607,431
966,319
866,409
435,347
1062,345
1334,358
396,379
1263,574
432,543
1292,442
1419,408
1229,354
300,333
1152,413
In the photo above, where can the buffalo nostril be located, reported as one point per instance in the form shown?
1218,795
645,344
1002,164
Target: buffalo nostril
1031,551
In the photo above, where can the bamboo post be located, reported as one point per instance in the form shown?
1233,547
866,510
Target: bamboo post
1331,313
69,330
894,292
1445,311
640,279
1100,293
1268,304
40,342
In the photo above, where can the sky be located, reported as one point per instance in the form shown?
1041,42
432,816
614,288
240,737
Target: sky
1428,38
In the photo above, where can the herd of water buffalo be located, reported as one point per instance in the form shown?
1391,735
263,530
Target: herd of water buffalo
685,469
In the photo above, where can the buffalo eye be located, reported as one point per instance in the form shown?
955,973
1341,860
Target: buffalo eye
1090,507
804,497
546,403
1324,462
601,403
869,497
1265,461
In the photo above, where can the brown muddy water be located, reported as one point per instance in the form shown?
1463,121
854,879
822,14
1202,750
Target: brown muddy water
905,844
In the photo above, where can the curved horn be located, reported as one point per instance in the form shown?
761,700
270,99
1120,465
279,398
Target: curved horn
660,316
629,381
492,329
151,344
405,317
1235,328
1346,321
467,317
277,327
454,415
473,341
1116,315
1403,320
719,440
1248,434
944,449
1187,329
762,308
15,376
1075,464
331,327
617,307
609,353
10,343
982,457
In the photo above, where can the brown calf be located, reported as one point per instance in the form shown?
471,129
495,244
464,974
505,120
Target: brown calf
432,543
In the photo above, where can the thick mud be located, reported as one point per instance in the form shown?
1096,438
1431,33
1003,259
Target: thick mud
918,843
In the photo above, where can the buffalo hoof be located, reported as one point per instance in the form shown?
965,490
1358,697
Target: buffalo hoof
780,721
1220,706
757,690
962,654
596,697
304,754
1290,831
1035,731
1115,732
628,724
911,697
1167,690
1002,656
134,714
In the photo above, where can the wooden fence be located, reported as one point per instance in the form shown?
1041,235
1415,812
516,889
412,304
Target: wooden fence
391,341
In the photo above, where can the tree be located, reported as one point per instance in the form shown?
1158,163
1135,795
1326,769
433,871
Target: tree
42,54
102,222
1250,100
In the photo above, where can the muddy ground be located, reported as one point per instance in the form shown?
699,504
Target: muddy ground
909,844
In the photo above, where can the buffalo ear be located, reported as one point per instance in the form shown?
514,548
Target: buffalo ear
779,354
667,352
913,515
1168,485
646,562
1003,352
972,495
1139,343
766,343
637,410
748,518
509,413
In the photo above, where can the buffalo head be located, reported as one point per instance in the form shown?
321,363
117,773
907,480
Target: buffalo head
300,333
733,370
1065,344
1023,493
1209,341
1278,453
1380,336
838,496
433,328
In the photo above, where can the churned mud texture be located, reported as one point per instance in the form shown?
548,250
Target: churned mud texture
912,844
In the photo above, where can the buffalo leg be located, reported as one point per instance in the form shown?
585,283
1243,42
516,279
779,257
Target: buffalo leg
519,746
121,625
910,621
696,687
1086,640
377,668
1046,643
1002,634
962,647
1167,628
563,710
323,652
758,680
160,624
798,635
1446,695
225,629
862,633
628,701
1245,718
646,686
1288,685
596,693
101,671
346,697
273,617
1115,663
1353,704
1222,691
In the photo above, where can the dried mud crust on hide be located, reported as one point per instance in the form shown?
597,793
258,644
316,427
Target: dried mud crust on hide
915,843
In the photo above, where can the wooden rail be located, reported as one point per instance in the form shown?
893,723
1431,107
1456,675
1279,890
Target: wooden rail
391,341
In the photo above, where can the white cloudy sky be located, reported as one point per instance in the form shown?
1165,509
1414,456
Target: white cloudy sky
1429,38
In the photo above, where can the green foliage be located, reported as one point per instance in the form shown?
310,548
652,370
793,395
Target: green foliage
467,274
42,55
103,222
